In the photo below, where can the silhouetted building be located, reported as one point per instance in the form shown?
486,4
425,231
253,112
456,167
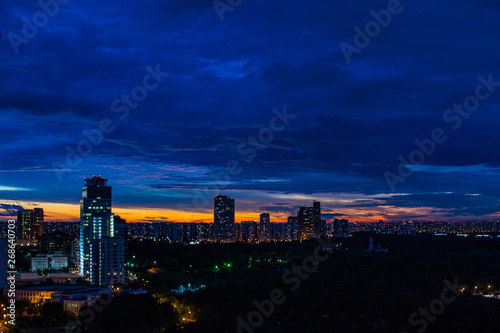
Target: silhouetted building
278,231
185,232
306,220
29,225
318,226
70,228
204,231
265,227
59,243
341,228
223,218
249,231
121,231
50,243
293,228
311,225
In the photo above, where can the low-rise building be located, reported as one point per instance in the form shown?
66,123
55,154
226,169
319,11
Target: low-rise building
40,293
73,300
58,260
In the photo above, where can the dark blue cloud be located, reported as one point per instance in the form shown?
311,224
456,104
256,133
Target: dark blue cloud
9,210
352,120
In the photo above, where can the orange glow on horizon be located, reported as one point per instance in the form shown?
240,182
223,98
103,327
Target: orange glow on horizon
71,212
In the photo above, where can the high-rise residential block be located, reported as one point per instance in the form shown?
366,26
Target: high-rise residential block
29,225
223,218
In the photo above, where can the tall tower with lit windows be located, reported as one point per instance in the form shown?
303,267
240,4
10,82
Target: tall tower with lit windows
98,240
223,218
265,227
29,225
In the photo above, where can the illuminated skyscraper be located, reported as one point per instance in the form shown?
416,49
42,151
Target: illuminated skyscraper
95,213
29,225
102,248
223,218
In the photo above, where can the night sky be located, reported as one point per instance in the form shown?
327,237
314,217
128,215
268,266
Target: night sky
167,153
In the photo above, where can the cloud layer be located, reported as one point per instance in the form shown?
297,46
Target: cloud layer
352,120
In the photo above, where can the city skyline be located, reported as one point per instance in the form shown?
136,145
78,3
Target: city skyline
208,217
134,214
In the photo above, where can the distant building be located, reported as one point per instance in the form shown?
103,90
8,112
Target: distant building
204,231
68,228
148,230
121,231
311,225
265,227
378,249
370,245
49,243
184,232
162,230
319,225
224,218
29,225
49,261
306,221
170,231
249,231
237,232
292,229
278,231
341,228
